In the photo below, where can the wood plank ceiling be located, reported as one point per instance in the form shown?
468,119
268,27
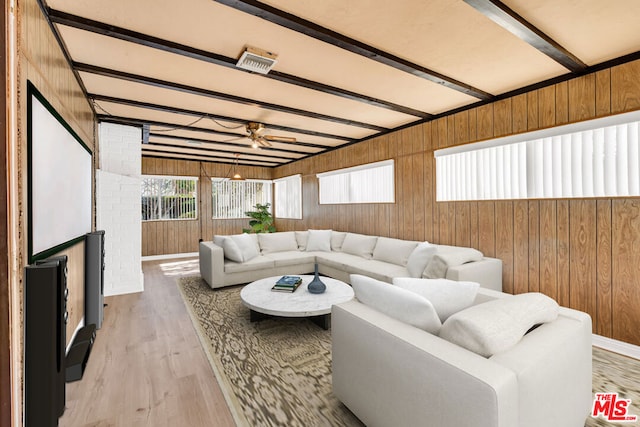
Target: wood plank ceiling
345,71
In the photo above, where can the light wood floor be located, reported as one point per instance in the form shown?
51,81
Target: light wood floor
147,367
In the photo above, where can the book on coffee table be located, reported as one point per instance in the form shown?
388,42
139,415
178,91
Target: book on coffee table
287,284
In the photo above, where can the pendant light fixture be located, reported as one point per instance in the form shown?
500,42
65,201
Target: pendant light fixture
236,176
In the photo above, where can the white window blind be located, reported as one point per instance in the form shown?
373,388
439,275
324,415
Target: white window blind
231,199
288,197
596,158
169,197
369,183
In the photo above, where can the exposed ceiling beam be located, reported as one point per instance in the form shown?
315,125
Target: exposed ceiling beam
213,159
508,19
227,144
130,121
101,28
136,78
174,110
168,148
326,35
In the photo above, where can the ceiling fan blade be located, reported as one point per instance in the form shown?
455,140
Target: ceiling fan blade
278,138
264,142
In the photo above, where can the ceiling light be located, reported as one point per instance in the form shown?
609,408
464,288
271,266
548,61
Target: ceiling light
256,60
236,176
254,144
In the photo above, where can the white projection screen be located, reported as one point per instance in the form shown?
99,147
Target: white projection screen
60,184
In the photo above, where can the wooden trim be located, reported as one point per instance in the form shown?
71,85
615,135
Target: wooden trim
310,29
192,90
5,332
508,19
96,27
174,110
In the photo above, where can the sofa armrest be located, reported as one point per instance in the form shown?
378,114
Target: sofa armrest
390,373
212,264
487,272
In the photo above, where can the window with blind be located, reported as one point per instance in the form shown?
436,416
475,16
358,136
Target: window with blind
231,199
596,158
169,198
288,197
369,183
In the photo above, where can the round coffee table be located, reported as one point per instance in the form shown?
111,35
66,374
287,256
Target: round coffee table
264,302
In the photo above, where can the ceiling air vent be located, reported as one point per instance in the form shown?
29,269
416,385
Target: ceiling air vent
257,60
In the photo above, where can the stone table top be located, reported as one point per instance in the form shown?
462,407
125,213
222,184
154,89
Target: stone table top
259,297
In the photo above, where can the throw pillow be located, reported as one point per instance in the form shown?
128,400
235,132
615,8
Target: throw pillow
447,296
218,240
319,240
337,238
395,302
496,326
301,239
232,250
359,244
419,258
394,251
278,242
446,257
248,245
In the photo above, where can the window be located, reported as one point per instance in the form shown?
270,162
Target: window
231,199
369,183
288,197
595,158
165,198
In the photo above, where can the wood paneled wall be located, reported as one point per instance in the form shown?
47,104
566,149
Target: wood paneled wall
582,252
182,236
41,61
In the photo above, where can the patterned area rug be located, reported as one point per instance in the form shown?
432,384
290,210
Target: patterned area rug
277,372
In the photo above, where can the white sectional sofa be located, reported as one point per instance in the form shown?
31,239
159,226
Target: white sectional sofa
231,260
391,373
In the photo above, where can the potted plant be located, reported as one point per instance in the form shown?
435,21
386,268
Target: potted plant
261,220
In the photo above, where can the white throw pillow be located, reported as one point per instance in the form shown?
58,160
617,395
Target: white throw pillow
319,240
248,245
301,239
395,302
277,242
447,257
394,251
496,326
232,250
447,296
419,258
337,238
359,244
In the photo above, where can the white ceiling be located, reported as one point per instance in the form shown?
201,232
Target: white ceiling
170,65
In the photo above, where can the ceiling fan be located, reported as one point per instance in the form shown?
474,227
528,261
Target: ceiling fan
255,134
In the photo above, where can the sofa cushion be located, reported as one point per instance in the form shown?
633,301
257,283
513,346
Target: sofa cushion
288,258
231,250
338,260
449,256
248,244
395,251
379,270
496,326
419,258
447,296
359,244
337,238
277,242
319,240
301,239
258,263
217,239
395,302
